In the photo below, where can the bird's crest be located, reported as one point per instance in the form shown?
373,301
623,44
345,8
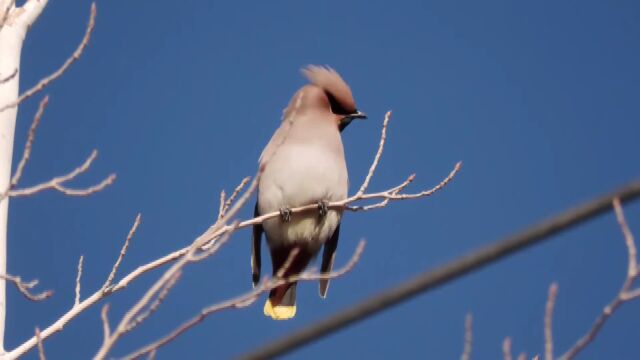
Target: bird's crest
335,87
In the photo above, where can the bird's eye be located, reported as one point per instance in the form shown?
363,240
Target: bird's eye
336,107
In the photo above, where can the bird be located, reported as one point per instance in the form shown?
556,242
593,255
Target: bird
303,164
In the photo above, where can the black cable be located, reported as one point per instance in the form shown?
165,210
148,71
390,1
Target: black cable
439,276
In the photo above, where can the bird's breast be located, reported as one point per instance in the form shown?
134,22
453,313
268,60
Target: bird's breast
299,175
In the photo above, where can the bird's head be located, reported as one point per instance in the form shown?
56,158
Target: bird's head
336,92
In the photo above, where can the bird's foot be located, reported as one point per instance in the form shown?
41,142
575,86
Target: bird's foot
323,208
285,214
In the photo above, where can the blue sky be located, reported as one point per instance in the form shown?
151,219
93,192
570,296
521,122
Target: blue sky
539,100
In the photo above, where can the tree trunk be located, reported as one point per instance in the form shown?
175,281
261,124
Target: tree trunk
14,24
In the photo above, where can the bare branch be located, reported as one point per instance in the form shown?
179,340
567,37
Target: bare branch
213,246
3,21
31,10
548,321
468,337
433,279
506,348
207,242
623,296
78,278
222,202
383,203
40,346
143,269
27,146
123,252
227,204
161,284
230,213
393,194
630,295
156,303
215,232
310,275
390,194
104,316
57,182
287,264
134,316
248,299
77,309
75,56
632,262
25,287
12,75
376,159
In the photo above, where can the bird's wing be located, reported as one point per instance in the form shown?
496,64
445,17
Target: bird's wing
281,133
256,260
328,256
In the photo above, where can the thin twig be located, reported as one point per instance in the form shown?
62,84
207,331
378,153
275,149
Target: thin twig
390,194
11,76
631,294
235,193
78,278
213,246
104,316
123,252
156,303
40,346
25,287
208,236
287,264
26,153
468,337
248,298
394,195
222,202
60,323
167,277
47,80
383,203
506,348
632,254
376,159
30,137
57,182
548,321
622,296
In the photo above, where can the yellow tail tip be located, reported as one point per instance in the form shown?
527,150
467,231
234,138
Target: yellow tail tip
279,312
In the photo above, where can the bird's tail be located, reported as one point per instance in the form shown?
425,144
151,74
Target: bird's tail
281,304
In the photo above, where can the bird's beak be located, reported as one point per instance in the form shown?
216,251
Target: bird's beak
358,115
347,119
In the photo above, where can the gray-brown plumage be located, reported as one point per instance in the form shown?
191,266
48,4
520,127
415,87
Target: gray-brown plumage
303,164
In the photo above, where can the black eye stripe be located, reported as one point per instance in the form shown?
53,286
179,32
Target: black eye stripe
336,107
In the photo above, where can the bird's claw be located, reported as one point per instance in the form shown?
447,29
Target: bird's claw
285,214
323,208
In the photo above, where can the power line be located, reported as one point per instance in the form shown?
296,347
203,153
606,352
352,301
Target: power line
439,276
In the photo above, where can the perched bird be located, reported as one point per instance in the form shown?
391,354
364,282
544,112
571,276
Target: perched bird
304,164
